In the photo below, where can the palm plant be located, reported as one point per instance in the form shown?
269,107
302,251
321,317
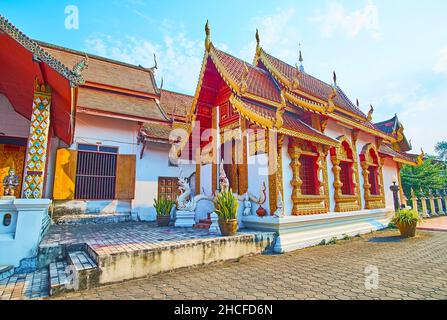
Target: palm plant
226,205
406,217
163,206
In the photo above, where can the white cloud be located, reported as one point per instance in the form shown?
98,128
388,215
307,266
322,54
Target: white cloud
179,58
351,23
441,64
276,35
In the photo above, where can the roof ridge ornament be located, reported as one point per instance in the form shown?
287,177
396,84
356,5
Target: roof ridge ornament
420,159
330,107
296,80
370,113
357,103
279,121
335,79
81,66
208,36
300,59
244,85
258,43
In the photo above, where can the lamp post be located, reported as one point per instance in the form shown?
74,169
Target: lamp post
395,189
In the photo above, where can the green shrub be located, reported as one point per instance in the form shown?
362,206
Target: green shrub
226,205
406,216
163,206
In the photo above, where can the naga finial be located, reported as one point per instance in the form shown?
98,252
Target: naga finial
296,80
420,159
258,43
208,36
279,121
334,76
370,113
331,104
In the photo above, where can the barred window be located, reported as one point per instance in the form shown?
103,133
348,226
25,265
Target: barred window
373,180
96,172
308,175
346,178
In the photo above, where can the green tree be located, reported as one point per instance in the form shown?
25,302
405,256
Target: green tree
441,149
430,175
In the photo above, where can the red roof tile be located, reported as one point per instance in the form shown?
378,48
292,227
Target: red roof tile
388,150
314,86
175,104
291,121
259,81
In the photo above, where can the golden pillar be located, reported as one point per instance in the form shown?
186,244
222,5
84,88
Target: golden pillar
243,158
294,151
272,169
36,154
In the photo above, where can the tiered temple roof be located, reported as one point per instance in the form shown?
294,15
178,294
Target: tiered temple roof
272,94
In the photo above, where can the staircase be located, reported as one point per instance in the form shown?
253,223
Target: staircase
203,223
90,218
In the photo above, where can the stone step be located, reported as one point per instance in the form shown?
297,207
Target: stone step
60,278
86,270
6,271
81,219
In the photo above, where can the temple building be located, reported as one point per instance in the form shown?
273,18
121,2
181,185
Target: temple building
89,137
329,167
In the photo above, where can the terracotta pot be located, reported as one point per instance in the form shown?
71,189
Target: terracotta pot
163,221
261,212
228,227
407,230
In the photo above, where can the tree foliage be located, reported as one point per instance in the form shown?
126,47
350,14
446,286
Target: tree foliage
441,149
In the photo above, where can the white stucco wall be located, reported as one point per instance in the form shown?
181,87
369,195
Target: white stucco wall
123,134
390,171
12,124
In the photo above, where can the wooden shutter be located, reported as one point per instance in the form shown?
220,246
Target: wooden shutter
65,174
125,177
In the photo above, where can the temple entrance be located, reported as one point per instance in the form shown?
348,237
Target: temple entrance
228,153
12,155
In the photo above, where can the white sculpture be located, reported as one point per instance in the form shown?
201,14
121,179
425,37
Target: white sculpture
184,200
223,180
248,198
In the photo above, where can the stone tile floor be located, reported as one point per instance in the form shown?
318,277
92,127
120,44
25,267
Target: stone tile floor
408,269
25,286
107,239
434,224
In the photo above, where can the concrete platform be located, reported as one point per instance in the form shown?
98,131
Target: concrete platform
125,251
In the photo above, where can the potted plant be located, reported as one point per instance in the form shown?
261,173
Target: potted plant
163,207
226,205
406,220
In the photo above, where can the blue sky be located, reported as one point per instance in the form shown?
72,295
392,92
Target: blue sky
392,54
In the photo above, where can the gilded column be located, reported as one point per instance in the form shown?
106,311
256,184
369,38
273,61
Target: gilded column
366,184
243,167
323,175
272,170
215,150
337,182
36,154
279,162
198,167
295,153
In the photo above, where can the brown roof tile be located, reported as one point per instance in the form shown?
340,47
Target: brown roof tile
175,104
106,72
118,103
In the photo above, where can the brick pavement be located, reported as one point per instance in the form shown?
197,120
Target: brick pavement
434,224
408,269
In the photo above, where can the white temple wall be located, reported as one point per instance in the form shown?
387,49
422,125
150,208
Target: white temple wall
123,134
12,124
390,172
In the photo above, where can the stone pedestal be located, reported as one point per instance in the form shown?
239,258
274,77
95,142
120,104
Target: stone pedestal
440,208
214,227
185,219
424,208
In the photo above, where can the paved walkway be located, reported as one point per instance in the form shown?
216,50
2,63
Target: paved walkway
407,269
434,224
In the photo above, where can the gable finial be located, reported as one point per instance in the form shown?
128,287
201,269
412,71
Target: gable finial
258,43
370,113
208,36
301,60
335,79
357,103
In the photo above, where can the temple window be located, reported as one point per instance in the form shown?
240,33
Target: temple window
372,177
344,167
308,175
96,172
